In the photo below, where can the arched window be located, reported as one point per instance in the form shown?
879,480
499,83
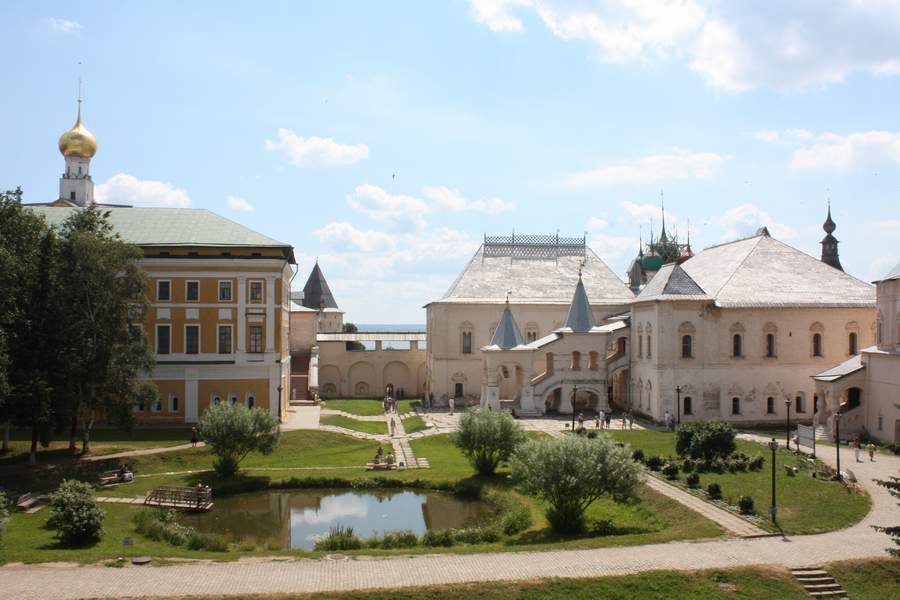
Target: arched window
576,361
854,398
467,342
770,345
688,405
458,390
735,406
592,360
852,343
817,344
641,346
687,350
549,367
649,346
737,345
770,405
800,403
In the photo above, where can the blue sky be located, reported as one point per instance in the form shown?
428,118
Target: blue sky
387,138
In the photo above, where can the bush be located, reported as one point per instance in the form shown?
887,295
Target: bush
476,535
487,438
670,470
4,511
339,537
738,464
592,434
393,539
74,513
714,490
638,455
572,472
654,463
233,431
516,520
705,440
438,537
746,505
162,525
757,463
688,465
693,481
602,527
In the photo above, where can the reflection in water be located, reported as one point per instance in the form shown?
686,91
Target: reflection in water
295,519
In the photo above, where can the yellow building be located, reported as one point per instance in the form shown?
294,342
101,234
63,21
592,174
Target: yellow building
219,293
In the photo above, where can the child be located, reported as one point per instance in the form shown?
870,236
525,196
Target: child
870,448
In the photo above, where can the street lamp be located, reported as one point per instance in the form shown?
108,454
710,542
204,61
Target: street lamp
678,403
574,398
837,441
787,416
773,446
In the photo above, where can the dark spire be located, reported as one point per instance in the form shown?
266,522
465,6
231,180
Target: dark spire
580,318
507,333
316,293
830,243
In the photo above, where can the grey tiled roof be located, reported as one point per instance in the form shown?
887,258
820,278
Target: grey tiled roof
531,280
199,227
851,365
762,271
580,317
507,334
316,293
671,283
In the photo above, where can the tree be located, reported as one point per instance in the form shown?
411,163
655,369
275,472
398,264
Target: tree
234,431
74,513
706,440
105,302
352,328
572,472
487,438
893,486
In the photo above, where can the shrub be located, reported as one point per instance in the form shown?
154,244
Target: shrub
654,463
4,511
693,481
670,470
74,513
705,440
516,520
714,490
162,525
393,539
487,438
638,455
339,537
602,527
738,464
572,472
757,463
746,505
688,465
476,535
438,537
592,434
233,431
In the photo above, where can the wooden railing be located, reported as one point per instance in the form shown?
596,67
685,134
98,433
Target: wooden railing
196,498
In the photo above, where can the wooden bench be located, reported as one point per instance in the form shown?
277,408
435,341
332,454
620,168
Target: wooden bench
790,471
30,500
380,466
113,478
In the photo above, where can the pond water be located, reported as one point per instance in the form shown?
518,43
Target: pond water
293,519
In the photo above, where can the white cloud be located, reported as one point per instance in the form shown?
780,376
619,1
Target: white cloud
644,214
680,164
399,211
127,189
452,200
238,203
315,151
64,25
345,236
732,46
597,224
784,136
746,219
497,14
832,151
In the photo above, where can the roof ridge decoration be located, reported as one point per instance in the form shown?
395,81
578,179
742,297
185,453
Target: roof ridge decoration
507,334
533,246
580,318
316,293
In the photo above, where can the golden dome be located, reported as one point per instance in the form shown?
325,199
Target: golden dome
78,141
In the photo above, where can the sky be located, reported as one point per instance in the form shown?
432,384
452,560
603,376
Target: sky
387,138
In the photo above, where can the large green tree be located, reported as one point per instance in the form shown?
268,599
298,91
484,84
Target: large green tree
233,431
487,438
103,293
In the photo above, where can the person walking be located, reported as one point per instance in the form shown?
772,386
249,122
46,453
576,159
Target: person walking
870,448
667,420
580,421
608,419
630,419
856,447
194,437
393,427
451,404
602,418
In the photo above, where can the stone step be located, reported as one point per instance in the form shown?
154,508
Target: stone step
820,587
809,571
829,594
814,579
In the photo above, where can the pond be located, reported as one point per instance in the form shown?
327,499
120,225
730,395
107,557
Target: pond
294,519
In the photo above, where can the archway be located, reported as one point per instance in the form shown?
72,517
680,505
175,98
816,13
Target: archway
362,373
329,381
396,374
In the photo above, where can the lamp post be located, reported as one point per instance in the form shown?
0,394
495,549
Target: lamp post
773,445
574,397
678,403
837,442
787,416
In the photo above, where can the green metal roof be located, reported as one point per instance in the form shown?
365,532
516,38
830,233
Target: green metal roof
173,227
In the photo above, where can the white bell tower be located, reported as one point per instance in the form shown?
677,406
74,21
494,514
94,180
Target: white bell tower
78,146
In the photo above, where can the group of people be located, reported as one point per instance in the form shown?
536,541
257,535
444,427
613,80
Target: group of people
857,446
669,421
389,404
379,457
125,474
604,419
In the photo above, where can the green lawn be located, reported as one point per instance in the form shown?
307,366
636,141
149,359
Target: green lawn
366,407
375,427
805,505
868,578
413,424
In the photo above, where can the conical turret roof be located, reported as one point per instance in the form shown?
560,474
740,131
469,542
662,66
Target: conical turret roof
581,317
316,293
507,335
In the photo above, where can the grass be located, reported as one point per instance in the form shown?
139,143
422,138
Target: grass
375,427
366,407
805,505
724,584
879,578
413,424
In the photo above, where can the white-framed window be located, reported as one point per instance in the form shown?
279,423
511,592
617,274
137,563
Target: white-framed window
157,404
250,400
192,290
163,290
215,399
173,403
224,339
163,339
225,289
467,342
192,339
255,339
255,295
232,397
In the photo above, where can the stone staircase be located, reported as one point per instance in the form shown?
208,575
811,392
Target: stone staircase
818,583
